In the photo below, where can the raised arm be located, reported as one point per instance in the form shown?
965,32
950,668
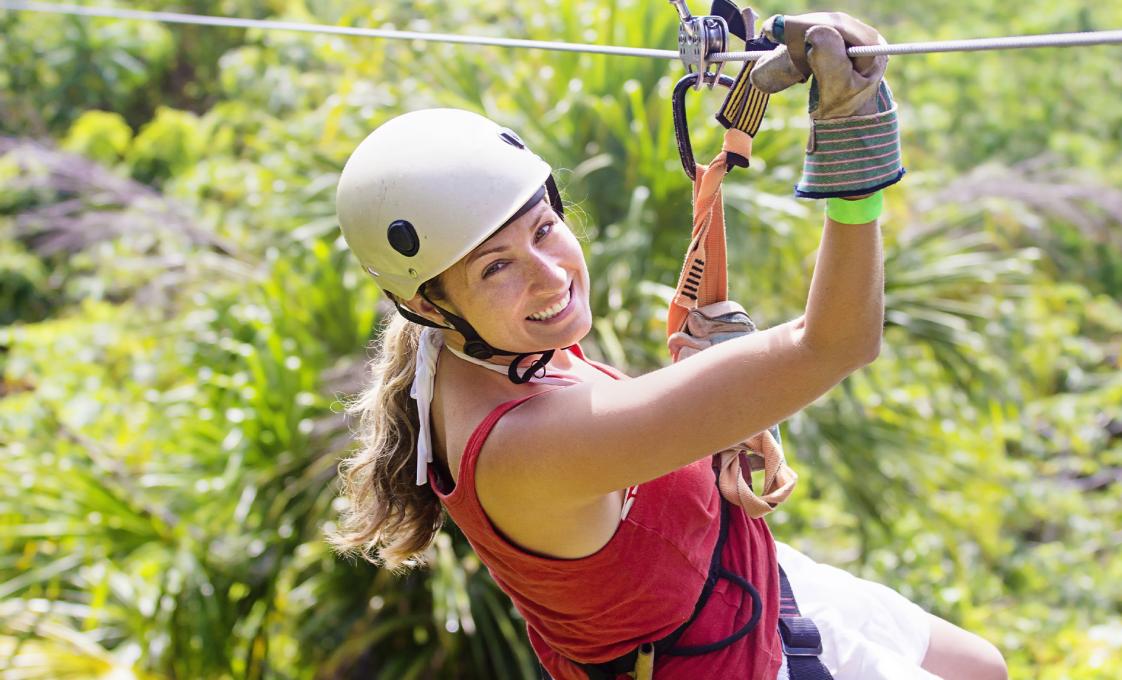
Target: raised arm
585,441
590,439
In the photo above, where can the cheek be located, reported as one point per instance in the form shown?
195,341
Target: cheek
582,266
492,305
571,252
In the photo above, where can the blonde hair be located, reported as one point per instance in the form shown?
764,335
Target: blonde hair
390,520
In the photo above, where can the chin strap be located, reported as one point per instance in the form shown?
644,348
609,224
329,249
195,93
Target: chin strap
535,370
478,348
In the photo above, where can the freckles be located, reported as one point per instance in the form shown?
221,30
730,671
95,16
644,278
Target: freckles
488,300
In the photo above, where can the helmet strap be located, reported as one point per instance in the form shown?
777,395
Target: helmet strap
474,346
554,196
534,368
478,348
410,315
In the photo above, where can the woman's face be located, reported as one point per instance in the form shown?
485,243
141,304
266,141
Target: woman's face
525,288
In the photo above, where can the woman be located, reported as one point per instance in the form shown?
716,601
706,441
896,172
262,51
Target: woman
591,497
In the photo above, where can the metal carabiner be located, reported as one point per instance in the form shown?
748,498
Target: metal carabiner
681,126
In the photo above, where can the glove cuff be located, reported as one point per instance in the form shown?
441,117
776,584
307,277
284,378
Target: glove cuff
853,156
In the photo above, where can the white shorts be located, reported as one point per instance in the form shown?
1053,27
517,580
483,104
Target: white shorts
869,631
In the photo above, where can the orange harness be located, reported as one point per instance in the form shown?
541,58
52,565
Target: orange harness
700,310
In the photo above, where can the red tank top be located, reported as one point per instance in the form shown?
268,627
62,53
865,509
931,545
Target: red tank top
642,585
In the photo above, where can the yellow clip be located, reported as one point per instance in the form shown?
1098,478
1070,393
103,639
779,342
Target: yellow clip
644,662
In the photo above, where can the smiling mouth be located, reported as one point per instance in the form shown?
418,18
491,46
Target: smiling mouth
547,314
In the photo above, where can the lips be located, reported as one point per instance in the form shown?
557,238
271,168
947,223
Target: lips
555,309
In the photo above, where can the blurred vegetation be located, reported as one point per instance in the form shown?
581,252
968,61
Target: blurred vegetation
180,316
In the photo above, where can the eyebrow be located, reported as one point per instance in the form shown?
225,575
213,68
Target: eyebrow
498,249
476,255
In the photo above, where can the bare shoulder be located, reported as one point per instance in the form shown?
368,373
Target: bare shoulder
463,399
466,395
540,522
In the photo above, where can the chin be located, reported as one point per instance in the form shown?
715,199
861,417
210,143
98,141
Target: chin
585,329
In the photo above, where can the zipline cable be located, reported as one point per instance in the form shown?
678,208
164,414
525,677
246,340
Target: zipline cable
976,45
233,22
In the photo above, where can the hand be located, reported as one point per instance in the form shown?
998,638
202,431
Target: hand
815,44
854,146
708,325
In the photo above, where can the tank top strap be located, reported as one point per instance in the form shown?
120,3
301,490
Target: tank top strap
610,371
429,345
464,477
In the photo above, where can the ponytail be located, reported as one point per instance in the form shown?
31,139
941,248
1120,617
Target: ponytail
390,519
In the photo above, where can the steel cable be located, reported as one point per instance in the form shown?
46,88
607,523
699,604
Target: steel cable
975,45
981,44
232,22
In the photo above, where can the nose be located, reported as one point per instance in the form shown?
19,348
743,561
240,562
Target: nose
549,274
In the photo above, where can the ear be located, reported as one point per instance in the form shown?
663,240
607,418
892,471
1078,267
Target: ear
422,307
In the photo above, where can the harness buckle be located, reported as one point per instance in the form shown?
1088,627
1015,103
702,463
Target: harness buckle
800,636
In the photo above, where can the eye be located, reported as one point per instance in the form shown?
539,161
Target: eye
543,231
493,267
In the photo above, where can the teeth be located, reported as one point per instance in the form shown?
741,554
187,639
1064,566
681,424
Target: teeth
552,311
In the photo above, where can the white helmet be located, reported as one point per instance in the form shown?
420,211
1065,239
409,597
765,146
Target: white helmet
427,187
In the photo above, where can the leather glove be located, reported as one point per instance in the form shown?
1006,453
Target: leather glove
705,327
854,145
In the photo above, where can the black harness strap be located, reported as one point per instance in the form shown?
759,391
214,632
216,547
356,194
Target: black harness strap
801,640
668,646
802,643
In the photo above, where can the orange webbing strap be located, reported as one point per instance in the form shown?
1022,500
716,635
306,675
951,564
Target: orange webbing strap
704,277
736,465
703,282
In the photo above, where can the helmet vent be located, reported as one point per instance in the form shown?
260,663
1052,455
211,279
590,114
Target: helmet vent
509,137
403,238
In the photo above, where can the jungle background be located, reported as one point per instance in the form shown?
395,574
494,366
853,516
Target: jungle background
179,319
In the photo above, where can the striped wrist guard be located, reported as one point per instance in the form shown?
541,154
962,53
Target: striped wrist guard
853,156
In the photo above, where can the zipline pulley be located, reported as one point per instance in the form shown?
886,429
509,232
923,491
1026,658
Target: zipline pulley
701,37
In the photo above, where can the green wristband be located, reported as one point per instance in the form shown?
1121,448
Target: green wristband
861,211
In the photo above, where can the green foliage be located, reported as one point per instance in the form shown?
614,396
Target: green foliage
166,146
174,346
64,65
102,136
25,294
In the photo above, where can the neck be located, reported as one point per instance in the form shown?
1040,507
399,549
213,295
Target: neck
561,361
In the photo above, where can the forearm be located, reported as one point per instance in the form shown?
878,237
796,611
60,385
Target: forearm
845,307
681,413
